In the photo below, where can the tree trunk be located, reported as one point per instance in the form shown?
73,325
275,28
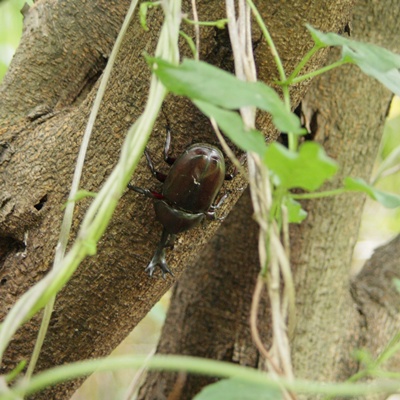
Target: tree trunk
347,111
45,99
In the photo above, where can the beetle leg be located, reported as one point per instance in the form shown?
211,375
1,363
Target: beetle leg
158,175
210,214
170,242
146,192
231,175
220,202
169,160
159,255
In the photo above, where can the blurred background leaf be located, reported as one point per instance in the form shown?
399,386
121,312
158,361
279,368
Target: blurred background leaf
10,30
379,224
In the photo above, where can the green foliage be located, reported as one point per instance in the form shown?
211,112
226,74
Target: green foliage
396,283
217,94
295,213
306,169
235,389
389,200
373,60
232,125
201,81
391,139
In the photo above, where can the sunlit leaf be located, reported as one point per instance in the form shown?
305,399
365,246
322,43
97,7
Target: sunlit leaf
232,125
307,169
295,213
201,81
234,389
373,60
389,200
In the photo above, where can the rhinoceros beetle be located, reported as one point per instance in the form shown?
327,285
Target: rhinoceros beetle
188,193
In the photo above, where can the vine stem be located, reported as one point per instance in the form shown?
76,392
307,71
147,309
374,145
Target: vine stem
199,366
253,325
196,29
272,263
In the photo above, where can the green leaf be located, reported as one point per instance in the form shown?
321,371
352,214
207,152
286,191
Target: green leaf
322,39
295,213
308,169
232,125
390,138
373,60
234,389
389,200
201,81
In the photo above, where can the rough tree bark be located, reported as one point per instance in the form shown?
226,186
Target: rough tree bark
346,111
44,103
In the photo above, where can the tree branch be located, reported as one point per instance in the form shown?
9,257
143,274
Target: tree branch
379,301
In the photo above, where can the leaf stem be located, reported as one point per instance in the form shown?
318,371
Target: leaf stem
219,23
191,44
317,195
315,73
303,62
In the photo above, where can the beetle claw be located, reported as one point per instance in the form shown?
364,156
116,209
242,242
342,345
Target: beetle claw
165,270
159,259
